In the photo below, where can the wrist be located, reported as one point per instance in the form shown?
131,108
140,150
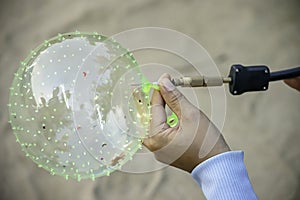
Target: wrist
191,159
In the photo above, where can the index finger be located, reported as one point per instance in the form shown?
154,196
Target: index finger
158,114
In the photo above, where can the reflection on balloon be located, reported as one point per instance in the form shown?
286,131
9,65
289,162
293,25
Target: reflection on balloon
72,108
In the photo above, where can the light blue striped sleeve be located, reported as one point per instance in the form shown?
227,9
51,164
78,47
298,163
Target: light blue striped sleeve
224,176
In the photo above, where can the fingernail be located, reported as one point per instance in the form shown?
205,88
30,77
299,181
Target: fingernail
167,84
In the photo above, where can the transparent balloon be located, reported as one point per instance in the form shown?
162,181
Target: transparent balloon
72,108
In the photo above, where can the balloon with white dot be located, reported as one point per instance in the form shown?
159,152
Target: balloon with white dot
72,109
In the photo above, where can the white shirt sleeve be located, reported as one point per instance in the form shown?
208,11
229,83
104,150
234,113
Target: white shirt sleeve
224,176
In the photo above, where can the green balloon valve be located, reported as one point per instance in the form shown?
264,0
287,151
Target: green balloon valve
146,87
172,120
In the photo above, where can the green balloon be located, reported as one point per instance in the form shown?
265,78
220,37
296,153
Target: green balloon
72,108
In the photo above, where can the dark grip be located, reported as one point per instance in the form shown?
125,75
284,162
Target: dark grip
248,78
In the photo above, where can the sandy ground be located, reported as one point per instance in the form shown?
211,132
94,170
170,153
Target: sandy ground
264,125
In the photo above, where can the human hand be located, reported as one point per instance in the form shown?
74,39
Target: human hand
193,140
294,83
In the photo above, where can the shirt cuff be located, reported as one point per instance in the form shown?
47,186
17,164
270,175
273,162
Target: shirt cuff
224,176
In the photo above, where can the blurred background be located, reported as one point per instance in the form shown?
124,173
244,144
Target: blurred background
264,125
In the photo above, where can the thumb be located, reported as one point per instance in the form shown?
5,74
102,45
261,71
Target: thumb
172,96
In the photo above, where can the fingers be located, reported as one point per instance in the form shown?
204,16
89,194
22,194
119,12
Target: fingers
159,129
158,114
172,96
158,119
